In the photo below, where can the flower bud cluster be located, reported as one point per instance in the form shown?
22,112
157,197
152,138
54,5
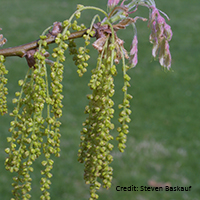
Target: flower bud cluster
56,86
80,56
95,146
3,89
57,73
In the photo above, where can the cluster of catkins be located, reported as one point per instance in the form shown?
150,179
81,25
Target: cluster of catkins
95,147
33,132
35,127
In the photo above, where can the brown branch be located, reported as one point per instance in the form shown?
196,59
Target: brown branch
22,49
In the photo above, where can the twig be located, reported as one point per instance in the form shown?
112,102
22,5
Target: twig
22,49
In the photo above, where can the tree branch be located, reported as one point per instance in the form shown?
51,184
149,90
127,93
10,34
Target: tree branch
22,49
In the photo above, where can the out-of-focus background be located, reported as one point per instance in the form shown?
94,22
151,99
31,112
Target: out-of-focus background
164,140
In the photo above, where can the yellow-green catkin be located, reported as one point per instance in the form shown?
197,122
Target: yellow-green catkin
54,112
3,89
26,138
80,55
124,116
95,146
41,82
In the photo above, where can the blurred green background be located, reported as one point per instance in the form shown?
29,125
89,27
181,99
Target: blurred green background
164,141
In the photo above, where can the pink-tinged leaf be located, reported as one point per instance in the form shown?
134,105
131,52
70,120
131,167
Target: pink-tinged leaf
164,55
133,60
98,44
134,46
112,3
133,52
168,32
154,14
155,49
160,26
168,61
161,33
160,20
